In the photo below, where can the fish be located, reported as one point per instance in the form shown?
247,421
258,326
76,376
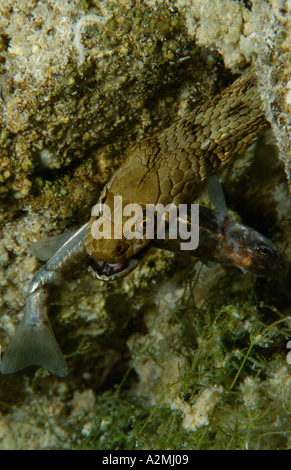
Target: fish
226,241
221,240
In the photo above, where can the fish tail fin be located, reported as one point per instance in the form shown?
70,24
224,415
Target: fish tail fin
34,345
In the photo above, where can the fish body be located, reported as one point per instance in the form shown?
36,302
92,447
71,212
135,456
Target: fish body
221,240
34,342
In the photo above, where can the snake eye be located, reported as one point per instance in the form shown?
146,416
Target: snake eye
99,215
265,251
144,222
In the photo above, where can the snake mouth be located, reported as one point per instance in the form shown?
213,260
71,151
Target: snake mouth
110,272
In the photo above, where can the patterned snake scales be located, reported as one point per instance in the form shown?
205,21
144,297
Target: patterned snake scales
173,166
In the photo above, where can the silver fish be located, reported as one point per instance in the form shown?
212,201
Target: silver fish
221,240
34,342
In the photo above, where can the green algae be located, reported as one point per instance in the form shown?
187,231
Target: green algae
239,350
231,349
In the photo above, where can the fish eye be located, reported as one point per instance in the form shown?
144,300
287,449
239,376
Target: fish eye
119,249
265,250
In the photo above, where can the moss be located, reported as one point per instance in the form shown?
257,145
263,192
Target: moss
198,376
228,347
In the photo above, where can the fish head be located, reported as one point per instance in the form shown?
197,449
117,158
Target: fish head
252,252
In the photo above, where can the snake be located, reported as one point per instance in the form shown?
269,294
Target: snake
171,167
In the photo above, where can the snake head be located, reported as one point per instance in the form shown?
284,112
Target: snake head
115,238
110,272
111,258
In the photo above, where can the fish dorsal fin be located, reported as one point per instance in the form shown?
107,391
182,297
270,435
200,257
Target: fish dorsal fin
216,195
44,249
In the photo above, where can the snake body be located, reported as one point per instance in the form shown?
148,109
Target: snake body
173,166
